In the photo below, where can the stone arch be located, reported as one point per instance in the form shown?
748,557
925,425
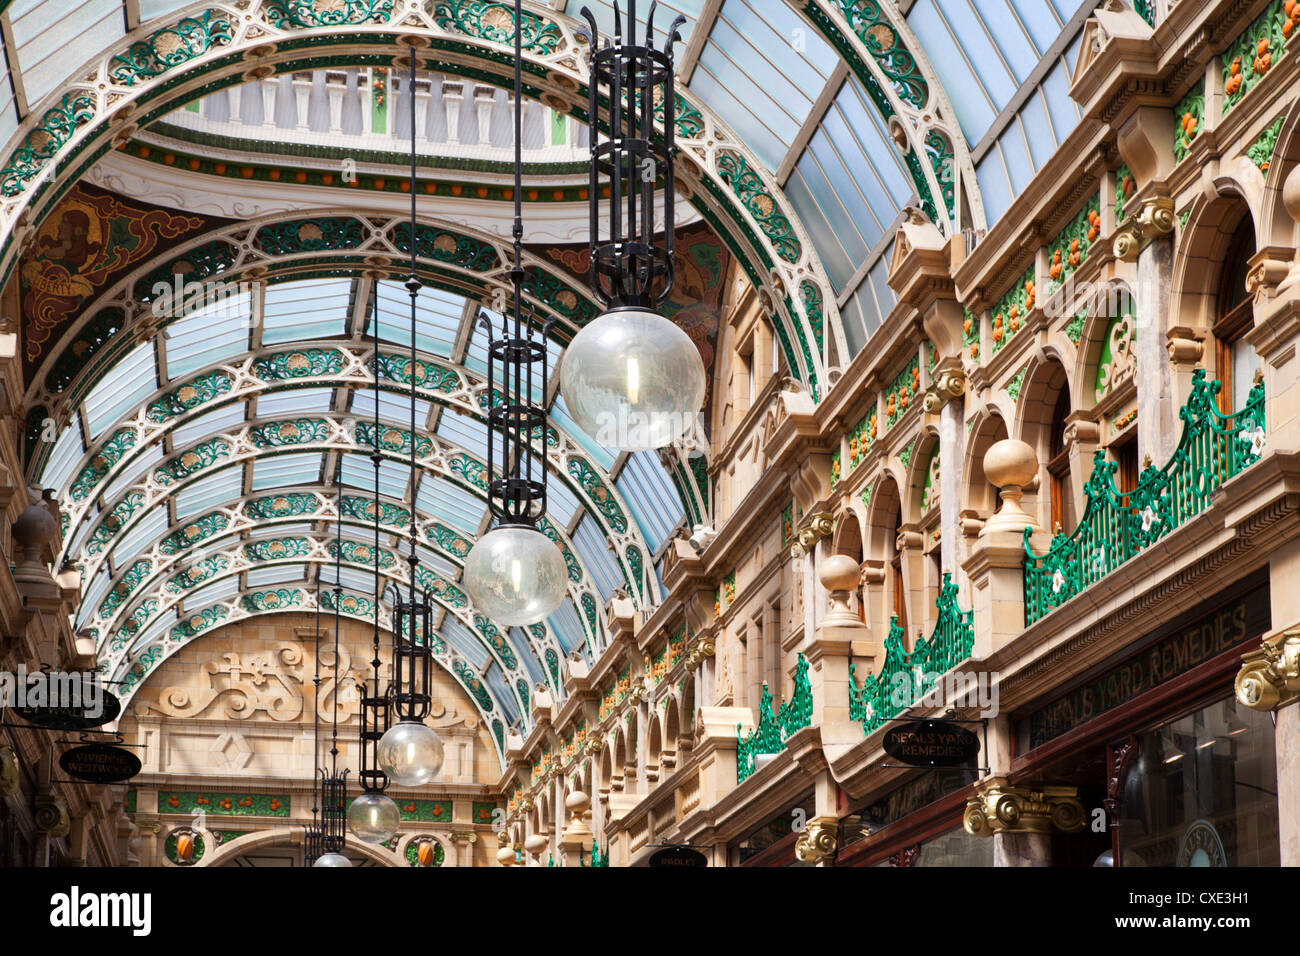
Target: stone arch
926,444
287,836
653,747
1204,246
1045,381
113,96
1112,299
978,494
671,732
1276,227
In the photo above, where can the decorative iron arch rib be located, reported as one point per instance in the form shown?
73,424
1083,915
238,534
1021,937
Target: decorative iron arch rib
147,74
873,38
132,672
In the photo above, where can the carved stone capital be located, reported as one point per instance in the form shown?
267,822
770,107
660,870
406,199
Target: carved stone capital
1002,808
51,815
1270,676
947,385
1186,345
819,524
464,836
1153,219
819,840
1265,276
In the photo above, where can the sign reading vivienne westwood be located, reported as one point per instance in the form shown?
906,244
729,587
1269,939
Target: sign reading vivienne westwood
931,743
100,763
1232,624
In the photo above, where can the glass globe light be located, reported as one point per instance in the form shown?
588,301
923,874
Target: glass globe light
633,380
410,754
373,818
516,575
333,859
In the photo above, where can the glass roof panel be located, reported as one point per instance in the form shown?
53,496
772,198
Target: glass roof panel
210,594
500,687
208,492
359,473
311,309
658,509
263,577
593,550
280,470
394,409
223,419
754,75
133,472
134,379
459,637
600,455
146,531
519,640
301,401
8,109
469,433
67,452
156,8
93,595
51,35
158,625
450,503
352,578
208,335
567,628
437,318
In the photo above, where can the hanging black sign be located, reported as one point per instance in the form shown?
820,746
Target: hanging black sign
931,743
678,856
100,763
74,717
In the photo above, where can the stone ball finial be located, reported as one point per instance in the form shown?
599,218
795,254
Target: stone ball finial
1010,463
506,856
34,528
535,844
839,572
577,802
1291,193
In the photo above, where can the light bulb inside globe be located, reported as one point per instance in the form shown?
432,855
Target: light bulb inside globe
633,380
516,576
333,859
410,754
374,818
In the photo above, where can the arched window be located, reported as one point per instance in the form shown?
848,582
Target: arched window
1235,360
1058,467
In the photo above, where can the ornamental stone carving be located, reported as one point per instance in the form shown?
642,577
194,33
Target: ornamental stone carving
51,815
8,771
820,524
1270,676
818,842
1153,219
1002,808
947,385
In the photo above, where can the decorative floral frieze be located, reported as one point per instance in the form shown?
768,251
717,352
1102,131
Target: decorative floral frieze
224,804
1257,50
1071,246
1189,116
1125,187
1012,309
970,333
197,530
1260,152
495,22
109,454
44,142
193,460
310,235
902,391
300,363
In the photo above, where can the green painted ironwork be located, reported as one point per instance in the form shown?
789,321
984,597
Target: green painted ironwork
749,189
189,396
200,529
905,678
57,126
193,460
272,600
495,22
311,235
1116,526
300,363
109,454
775,727
300,431
1146,9
328,13
170,47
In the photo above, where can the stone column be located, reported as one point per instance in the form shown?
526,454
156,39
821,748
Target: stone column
1144,237
838,638
1269,680
1020,819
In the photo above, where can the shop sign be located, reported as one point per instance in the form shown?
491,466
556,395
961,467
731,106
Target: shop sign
931,743
1231,625
1201,846
678,856
100,763
83,716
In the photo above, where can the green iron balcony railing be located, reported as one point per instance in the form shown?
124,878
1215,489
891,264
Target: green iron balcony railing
905,678
775,728
1118,525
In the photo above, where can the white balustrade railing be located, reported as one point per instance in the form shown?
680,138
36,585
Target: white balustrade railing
367,109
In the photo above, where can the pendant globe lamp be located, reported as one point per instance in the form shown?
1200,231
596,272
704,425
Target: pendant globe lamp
373,817
409,752
514,573
632,379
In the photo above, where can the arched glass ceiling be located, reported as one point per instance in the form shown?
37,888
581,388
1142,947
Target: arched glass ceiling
127,594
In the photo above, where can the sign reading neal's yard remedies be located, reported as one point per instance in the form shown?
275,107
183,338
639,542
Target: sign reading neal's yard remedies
1232,624
931,743
100,763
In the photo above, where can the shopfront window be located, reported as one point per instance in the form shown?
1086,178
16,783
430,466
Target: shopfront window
1202,791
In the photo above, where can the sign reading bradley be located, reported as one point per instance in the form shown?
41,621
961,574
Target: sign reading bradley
931,743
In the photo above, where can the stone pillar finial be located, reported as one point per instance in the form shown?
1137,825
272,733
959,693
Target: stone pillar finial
1010,464
34,529
839,575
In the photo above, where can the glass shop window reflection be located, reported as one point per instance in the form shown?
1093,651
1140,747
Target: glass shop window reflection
1202,791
